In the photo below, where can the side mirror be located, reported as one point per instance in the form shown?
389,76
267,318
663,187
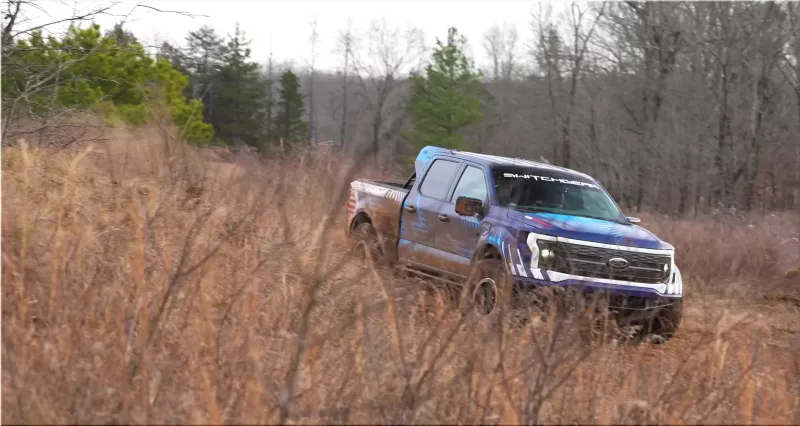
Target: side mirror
633,219
466,206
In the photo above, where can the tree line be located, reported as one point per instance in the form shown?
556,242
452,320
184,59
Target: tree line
248,103
244,104
677,107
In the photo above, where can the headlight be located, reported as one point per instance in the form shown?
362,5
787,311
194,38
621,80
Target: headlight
667,272
547,254
543,251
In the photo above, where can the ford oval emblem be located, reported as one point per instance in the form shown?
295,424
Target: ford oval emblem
618,263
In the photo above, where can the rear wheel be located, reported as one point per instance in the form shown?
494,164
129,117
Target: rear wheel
365,240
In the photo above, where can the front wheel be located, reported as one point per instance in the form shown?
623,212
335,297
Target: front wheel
665,323
487,289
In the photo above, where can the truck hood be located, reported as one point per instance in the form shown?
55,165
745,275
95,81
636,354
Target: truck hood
588,229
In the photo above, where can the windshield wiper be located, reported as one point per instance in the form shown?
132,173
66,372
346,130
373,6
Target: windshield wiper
600,218
536,209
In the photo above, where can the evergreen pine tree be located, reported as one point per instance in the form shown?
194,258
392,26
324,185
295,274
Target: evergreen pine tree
446,98
112,75
179,61
175,56
123,38
289,124
238,98
202,59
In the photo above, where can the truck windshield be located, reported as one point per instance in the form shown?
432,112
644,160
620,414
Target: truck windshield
551,192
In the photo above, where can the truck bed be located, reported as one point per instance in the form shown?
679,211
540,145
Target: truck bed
382,202
384,183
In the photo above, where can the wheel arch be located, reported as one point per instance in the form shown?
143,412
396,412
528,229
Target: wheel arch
358,219
486,251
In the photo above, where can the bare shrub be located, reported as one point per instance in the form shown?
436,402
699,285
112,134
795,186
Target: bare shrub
724,253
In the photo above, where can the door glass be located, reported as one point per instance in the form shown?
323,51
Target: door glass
472,184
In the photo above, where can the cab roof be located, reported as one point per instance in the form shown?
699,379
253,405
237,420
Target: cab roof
430,151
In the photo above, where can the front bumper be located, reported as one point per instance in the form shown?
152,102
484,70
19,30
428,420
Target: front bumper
540,277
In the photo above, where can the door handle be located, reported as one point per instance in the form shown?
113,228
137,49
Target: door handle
411,209
443,218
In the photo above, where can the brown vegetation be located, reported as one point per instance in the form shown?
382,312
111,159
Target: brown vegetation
144,281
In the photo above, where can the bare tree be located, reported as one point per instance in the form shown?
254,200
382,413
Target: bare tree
557,55
722,52
311,106
390,51
11,14
547,52
766,32
15,14
345,48
575,57
500,44
654,43
794,80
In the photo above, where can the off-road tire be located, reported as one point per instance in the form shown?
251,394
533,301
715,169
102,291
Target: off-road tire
487,290
364,238
664,323
597,324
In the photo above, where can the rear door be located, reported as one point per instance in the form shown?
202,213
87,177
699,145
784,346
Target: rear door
455,234
421,208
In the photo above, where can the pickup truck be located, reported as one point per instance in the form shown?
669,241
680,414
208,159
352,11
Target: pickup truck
483,220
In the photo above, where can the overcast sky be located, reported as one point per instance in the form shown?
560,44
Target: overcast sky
284,26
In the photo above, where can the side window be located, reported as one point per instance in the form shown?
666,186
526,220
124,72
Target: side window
438,179
410,182
472,184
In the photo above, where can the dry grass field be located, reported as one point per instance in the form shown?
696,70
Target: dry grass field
149,282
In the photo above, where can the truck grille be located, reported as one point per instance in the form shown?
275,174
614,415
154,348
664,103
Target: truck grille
592,262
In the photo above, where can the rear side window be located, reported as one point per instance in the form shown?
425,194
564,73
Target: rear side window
438,179
410,182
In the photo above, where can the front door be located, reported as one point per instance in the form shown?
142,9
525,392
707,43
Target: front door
458,235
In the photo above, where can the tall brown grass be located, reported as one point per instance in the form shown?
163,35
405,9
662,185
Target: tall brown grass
144,282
